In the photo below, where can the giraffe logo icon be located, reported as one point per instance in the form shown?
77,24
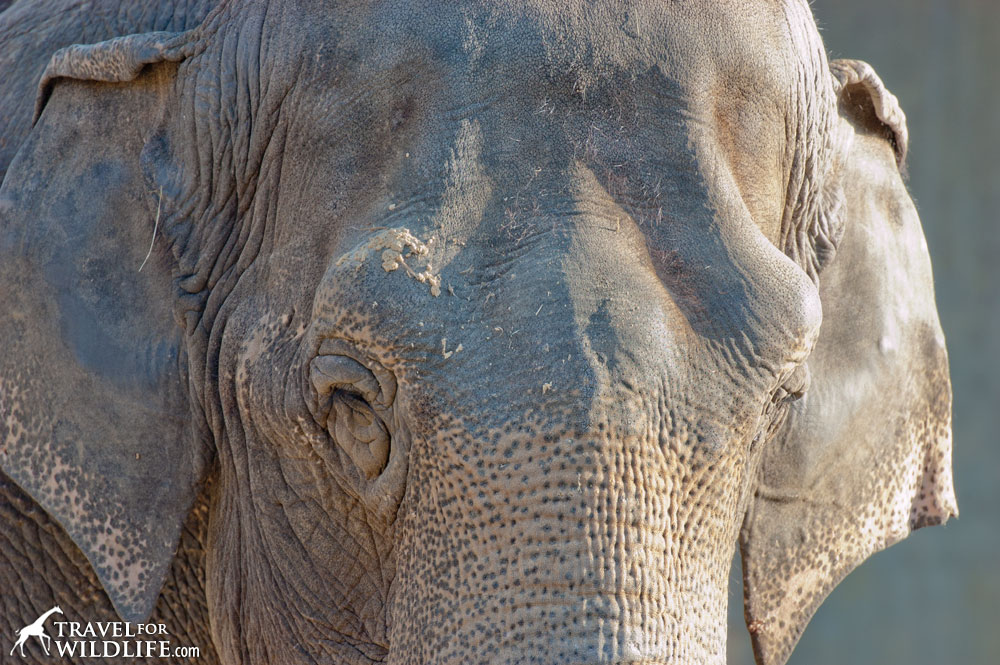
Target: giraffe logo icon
35,629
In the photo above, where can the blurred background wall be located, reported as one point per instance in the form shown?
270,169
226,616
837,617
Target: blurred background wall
935,597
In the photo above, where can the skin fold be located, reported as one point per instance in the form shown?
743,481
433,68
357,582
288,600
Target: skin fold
476,332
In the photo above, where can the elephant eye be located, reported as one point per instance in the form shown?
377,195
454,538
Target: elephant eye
776,409
337,373
794,387
352,403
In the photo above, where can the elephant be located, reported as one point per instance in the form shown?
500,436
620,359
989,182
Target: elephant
469,332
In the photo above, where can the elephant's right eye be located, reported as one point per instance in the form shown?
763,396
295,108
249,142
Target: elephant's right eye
353,404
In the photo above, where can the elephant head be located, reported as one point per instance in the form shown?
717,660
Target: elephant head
487,322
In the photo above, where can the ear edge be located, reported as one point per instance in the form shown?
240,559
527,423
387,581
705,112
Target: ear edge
777,623
864,99
116,60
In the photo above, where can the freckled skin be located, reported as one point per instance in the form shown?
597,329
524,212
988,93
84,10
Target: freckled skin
46,569
469,333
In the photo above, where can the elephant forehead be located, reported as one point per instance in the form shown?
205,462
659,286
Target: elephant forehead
586,39
464,102
700,55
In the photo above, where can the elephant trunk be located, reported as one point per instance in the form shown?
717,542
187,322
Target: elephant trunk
565,549
574,519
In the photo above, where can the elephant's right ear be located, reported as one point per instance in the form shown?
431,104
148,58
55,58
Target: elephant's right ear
96,423
865,456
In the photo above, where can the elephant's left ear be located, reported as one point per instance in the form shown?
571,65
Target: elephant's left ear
865,456
96,423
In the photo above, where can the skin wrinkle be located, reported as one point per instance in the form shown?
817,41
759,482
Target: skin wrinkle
291,587
812,208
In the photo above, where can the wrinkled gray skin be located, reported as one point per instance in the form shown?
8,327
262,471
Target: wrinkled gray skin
471,332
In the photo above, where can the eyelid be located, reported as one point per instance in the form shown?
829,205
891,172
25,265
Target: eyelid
339,363
330,372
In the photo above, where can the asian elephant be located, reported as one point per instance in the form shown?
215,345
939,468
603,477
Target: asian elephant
467,332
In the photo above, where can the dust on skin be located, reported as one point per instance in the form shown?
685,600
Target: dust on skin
398,245
444,349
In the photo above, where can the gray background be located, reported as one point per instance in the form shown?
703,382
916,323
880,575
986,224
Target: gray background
935,597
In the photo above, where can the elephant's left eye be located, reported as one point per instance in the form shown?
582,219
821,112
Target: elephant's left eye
776,408
794,387
352,402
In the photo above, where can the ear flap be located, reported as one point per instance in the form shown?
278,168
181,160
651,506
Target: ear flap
865,456
114,61
95,420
